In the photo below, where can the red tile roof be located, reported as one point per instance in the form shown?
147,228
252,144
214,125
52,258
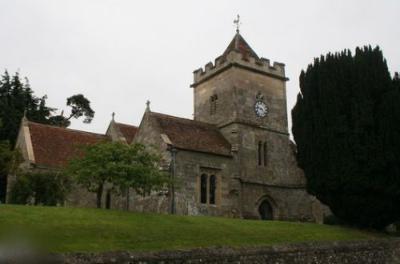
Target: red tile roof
240,45
54,146
192,135
128,131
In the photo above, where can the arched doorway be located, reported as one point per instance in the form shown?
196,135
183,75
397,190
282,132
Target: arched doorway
265,211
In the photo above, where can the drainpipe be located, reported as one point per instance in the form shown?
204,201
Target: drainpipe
173,174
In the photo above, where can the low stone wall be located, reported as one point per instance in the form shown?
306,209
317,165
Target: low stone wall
385,251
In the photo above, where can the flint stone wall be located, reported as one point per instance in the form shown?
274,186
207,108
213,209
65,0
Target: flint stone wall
359,252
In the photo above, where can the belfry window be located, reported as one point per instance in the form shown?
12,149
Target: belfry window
259,153
213,104
262,153
265,154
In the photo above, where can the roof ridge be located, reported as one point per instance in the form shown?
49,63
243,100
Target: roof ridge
192,135
118,123
67,129
185,119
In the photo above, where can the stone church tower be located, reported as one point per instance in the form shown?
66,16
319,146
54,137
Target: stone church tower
245,97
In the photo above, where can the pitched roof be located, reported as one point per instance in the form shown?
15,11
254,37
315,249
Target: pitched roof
240,45
55,146
128,131
192,135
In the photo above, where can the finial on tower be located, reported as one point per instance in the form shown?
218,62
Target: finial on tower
112,116
237,22
147,106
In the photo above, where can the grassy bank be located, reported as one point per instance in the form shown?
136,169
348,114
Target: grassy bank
75,229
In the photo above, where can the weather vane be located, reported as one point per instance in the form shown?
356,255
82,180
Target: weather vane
238,23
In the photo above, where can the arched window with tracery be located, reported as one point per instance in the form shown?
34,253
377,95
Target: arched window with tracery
213,187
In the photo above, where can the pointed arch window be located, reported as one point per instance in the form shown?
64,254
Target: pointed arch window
203,188
213,184
209,189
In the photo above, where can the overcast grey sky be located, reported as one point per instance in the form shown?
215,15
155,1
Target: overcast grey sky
119,53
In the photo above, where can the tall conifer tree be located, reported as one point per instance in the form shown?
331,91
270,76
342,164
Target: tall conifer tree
16,97
346,124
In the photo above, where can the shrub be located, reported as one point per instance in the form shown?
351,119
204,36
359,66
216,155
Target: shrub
40,188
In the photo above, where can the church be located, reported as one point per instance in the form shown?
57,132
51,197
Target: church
233,159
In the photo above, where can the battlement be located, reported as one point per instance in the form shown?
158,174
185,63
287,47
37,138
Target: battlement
236,59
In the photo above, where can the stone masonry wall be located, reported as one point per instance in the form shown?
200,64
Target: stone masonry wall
236,90
289,204
190,166
361,252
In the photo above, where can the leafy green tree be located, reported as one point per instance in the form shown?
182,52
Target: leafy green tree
346,126
118,165
80,106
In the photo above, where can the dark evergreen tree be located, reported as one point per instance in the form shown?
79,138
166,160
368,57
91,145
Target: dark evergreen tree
16,97
346,124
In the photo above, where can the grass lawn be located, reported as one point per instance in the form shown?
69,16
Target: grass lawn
77,229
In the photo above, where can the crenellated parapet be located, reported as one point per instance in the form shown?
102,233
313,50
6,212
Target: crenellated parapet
237,59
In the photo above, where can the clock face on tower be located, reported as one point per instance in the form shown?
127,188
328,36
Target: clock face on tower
261,109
